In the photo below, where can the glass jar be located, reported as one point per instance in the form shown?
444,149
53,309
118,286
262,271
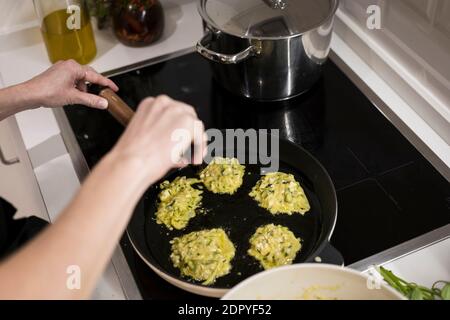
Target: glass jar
67,30
138,23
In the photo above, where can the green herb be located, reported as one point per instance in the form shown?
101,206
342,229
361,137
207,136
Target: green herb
414,291
102,10
99,8
445,292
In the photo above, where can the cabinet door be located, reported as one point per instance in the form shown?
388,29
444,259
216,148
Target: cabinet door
18,183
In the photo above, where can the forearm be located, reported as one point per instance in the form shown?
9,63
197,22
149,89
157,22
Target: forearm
85,236
16,99
89,229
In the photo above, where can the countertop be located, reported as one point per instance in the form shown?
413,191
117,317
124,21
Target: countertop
23,55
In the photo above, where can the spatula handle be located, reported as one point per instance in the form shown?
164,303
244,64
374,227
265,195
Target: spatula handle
117,107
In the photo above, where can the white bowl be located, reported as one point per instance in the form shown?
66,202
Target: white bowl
311,282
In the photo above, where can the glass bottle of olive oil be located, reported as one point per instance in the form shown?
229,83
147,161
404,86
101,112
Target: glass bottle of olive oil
67,30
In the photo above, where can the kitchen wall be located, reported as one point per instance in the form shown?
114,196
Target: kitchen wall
410,51
16,15
421,30
435,12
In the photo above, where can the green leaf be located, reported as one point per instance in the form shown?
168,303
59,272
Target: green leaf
417,294
414,291
445,292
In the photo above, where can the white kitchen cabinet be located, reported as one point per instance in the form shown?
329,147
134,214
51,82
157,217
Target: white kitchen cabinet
18,183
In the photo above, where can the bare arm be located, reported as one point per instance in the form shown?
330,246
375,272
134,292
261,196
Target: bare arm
64,83
84,236
89,229
15,99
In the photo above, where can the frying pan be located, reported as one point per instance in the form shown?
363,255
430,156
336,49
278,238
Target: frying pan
239,215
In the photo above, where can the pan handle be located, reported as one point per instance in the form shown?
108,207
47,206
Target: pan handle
117,107
330,255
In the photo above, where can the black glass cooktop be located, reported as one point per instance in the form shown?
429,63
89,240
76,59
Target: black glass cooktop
387,192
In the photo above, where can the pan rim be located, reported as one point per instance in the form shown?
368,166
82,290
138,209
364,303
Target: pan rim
193,288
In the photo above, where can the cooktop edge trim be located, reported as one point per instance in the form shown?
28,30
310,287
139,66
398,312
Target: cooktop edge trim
403,249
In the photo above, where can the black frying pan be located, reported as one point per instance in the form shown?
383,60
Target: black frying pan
238,214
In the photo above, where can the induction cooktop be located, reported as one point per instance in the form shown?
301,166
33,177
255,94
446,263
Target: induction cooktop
387,191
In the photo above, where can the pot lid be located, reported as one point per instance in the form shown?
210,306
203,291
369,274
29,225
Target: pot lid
267,18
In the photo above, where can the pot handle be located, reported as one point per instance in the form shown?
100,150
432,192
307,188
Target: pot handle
221,57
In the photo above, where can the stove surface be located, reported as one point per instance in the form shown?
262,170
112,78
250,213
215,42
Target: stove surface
387,192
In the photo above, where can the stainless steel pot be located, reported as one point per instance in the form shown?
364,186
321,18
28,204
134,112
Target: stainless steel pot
267,49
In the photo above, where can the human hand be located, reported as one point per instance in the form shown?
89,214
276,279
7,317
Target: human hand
158,137
65,83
